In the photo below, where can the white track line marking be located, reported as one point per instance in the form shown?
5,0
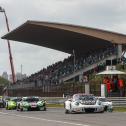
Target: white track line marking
43,119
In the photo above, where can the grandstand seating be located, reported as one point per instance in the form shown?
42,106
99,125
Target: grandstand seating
53,74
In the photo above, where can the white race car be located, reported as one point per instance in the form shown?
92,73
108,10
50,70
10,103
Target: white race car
106,103
83,103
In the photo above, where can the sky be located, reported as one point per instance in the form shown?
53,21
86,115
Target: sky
103,14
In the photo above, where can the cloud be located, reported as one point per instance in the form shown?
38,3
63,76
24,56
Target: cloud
104,14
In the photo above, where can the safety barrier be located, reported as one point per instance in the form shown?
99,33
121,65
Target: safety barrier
118,101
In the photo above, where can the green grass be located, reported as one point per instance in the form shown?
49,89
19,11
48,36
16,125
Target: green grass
119,109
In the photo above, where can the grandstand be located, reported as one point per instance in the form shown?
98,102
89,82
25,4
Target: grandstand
92,47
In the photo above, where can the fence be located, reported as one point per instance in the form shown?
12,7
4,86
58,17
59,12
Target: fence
58,90
48,90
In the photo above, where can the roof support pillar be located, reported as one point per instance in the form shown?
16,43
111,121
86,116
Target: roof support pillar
119,51
87,88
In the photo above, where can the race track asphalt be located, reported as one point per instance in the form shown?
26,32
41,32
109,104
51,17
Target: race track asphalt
57,117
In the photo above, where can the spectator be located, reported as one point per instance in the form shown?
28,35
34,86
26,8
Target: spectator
108,87
121,87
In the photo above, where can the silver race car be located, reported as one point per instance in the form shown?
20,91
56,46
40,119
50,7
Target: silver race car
83,103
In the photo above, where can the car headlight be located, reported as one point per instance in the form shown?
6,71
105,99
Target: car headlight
77,103
25,104
99,103
12,103
41,103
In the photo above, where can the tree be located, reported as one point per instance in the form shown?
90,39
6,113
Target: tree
3,82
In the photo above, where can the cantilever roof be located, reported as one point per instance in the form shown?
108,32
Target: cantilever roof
64,37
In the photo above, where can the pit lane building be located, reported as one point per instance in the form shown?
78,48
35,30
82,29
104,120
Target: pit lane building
66,38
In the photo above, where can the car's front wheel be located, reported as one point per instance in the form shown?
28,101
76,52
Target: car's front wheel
21,109
18,107
7,107
102,111
66,111
44,108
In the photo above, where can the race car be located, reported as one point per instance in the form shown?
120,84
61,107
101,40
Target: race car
83,103
106,103
31,103
12,103
1,102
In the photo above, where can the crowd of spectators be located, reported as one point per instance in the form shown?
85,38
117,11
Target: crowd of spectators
114,84
53,73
